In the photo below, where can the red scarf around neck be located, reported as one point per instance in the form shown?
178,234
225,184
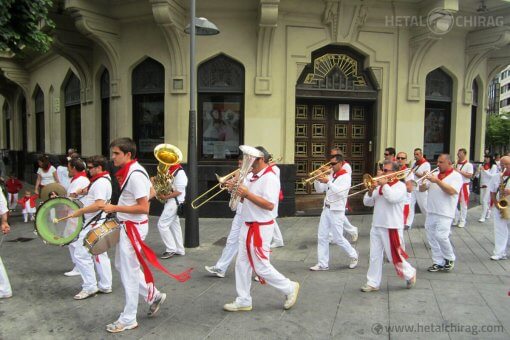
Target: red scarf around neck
486,166
421,161
443,175
389,183
174,168
267,169
123,172
99,175
78,175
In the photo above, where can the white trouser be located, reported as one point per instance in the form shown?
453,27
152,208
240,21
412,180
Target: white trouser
85,263
131,274
332,222
13,200
348,227
170,230
485,200
460,216
277,235
232,245
380,244
5,286
500,233
421,199
438,234
263,267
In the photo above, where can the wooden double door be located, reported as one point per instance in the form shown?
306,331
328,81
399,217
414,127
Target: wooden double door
322,125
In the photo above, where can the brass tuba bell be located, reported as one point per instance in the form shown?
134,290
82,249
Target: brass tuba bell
167,155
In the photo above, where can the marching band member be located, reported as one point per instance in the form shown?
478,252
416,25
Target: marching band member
402,161
5,286
336,187
97,194
169,225
386,234
487,171
442,200
389,154
132,211
277,240
501,225
260,195
419,168
79,181
464,168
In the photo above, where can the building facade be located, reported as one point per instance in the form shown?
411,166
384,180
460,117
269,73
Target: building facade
504,88
296,76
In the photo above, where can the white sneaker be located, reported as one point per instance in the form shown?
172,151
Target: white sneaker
73,272
354,237
235,307
318,268
292,297
276,245
84,294
215,271
117,327
455,222
498,257
461,224
354,263
481,220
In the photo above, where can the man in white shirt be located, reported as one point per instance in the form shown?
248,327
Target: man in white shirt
336,186
486,171
442,200
402,161
97,194
169,225
260,196
386,235
420,167
464,168
5,286
501,226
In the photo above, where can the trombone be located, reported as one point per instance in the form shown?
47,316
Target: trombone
371,182
210,194
323,170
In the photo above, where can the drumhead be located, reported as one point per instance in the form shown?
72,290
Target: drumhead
63,232
52,187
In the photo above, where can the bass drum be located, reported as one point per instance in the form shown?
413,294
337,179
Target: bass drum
56,188
63,232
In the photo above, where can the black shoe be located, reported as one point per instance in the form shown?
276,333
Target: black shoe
448,265
435,268
167,255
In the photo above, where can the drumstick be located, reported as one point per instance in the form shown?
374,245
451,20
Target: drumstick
57,220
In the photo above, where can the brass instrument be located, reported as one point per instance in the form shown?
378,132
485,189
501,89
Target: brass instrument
502,203
321,171
370,182
167,155
250,154
423,178
200,200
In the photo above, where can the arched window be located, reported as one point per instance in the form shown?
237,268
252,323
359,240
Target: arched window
148,89
220,108
438,99
7,116
73,112
39,120
105,112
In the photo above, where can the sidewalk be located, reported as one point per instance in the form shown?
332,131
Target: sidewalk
470,302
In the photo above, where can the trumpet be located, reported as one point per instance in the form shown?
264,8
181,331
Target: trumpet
219,188
370,182
425,176
323,170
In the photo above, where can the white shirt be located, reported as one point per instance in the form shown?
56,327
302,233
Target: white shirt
101,189
47,176
78,184
467,167
3,203
63,176
336,190
494,185
486,175
421,169
276,170
138,185
179,184
388,207
439,202
266,186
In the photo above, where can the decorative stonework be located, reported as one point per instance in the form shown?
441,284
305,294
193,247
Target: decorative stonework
268,21
323,65
344,19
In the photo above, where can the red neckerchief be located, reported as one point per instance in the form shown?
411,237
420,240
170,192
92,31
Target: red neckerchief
47,168
78,175
403,167
464,162
267,169
339,173
421,161
486,166
506,173
174,168
389,183
442,175
122,173
96,177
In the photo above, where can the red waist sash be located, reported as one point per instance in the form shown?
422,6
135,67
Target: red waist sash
254,235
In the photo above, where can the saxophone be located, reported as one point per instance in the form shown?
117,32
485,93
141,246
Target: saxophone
167,155
502,203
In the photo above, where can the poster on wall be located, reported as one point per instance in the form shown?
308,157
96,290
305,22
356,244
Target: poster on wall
435,136
221,125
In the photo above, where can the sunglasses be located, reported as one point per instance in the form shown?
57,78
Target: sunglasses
386,154
386,170
401,158
91,167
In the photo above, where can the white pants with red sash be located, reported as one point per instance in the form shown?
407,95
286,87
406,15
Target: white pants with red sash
131,275
262,265
460,216
501,233
85,263
5,286
379,245
332,222
438,230
232,245
13,200
170,230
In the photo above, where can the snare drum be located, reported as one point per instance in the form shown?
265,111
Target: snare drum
100,239
60,233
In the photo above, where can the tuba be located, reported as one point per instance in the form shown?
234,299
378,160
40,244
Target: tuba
167,155
502,203
250,154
